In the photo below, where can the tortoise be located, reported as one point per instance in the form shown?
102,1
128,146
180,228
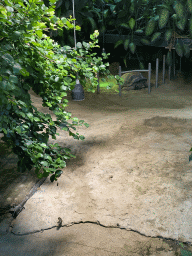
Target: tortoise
134,81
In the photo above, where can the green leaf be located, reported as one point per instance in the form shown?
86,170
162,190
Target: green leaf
132,23
39,33
168,35
150,27
124,25
156,18
16,68
43,145
58,173
145,41
87,125
4,130
56,79
118,43
132,47
8,58
112,7
189,3
163,19
30,116
179,9
126,44
44,163
39,155
13,79
139,31
81,137
52,178
155,37
79,45
16,35
179,49
181,23
24,72
141,65
36,119
47,157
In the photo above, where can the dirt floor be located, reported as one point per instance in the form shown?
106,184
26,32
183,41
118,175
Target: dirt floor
129,190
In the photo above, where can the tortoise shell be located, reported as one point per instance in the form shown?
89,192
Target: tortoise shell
134,81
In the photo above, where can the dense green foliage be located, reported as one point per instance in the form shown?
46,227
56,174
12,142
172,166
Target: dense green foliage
153,20
31,59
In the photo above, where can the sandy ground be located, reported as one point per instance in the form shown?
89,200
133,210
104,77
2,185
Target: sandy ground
129,190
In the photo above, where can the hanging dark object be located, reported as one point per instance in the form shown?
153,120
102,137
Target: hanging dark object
103,50
78,93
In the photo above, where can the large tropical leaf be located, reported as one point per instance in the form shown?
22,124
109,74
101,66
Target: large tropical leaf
112,7
93,24
155,36
118,43
179,9
132,23
181,23
163,19
96,11
126,44
132,47
189,4
179,49
150,27
168,35
166,6
145,41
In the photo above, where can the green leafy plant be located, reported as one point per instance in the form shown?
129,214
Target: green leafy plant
29,59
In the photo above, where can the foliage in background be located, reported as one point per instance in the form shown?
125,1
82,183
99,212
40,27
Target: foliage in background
29,59
153,20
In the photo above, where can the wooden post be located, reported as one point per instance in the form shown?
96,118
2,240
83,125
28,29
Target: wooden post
163,68
157,69
119,84
180,66
149,78
98,88
169,73
173,72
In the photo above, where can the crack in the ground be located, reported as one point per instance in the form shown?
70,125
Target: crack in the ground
177,242
98,248
16,211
